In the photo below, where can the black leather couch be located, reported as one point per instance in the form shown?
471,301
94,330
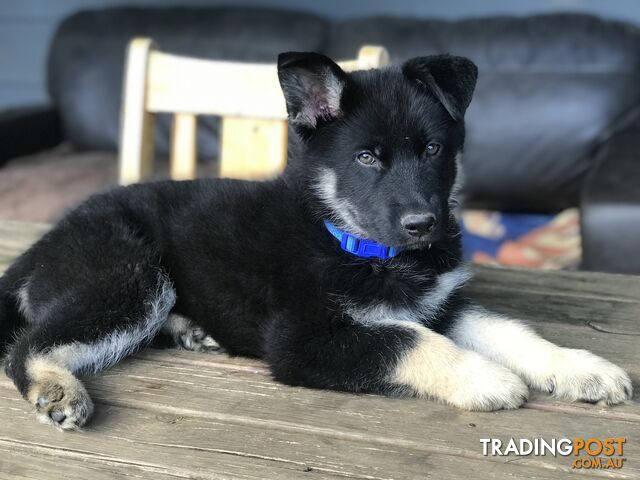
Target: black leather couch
554,123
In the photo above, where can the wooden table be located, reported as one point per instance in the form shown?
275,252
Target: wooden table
173,414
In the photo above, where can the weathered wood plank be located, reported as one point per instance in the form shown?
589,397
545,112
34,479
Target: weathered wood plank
614,318
596,285
240,397
180,445
29,461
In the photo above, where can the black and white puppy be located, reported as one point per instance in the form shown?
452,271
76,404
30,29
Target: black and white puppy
344,273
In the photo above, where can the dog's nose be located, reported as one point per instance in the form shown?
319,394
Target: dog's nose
418,224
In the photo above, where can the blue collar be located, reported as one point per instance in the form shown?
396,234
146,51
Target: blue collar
361,247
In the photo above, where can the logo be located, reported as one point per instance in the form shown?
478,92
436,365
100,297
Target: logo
585,453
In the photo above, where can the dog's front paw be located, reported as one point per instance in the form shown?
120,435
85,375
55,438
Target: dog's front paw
482,385
581,375
61,401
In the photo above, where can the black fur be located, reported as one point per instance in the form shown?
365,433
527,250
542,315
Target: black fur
251,262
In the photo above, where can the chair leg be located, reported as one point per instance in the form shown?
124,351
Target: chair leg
137,124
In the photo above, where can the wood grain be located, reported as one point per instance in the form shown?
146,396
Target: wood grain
208,443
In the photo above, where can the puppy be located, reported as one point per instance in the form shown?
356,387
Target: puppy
344,273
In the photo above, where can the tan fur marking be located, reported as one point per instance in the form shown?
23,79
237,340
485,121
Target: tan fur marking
424,368
54,388
41,371
438,369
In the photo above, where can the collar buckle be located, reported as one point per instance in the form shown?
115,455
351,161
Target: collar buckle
361,247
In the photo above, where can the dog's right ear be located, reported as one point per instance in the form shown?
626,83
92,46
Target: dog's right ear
312,85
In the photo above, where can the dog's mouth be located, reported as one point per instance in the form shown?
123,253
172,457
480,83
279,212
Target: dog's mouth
419,244
393,240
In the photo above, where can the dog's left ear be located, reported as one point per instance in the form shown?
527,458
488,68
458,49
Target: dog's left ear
449,78
312,85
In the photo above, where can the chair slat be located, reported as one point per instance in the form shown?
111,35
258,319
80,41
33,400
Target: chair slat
183,146
191,85
370,56
252,149
178,84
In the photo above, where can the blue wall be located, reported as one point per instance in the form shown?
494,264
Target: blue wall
26,26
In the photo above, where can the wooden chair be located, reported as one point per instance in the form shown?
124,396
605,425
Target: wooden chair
253,133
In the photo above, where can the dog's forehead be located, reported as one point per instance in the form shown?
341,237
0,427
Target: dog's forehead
386,85
388,99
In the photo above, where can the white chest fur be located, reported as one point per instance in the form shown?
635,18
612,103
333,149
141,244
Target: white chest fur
423,312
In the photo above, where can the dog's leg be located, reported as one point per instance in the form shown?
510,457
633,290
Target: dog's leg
392,358
188,336
80,337
567,373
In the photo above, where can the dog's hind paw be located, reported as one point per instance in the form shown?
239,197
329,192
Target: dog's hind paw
60,400
195,339
581,375
188,336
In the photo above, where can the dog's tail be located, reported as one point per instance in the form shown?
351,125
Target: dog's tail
11,319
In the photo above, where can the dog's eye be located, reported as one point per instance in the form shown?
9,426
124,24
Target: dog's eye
432,148
366,157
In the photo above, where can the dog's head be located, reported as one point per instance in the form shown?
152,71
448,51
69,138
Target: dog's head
381,146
